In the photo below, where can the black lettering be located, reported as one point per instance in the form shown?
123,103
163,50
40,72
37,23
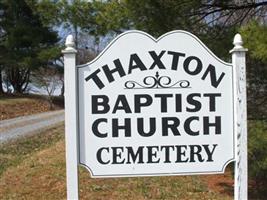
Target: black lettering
213,79
178,102
99,157
133,156
187,126
138,104
126,127
118,68
197,68
96,104
212,100
96,79
96,130
136,63
167,153
163,101
216,125
151,154
175,58
194,102
170,123
124,105
181,150
195,150
140,127
117,155
209,152
157,60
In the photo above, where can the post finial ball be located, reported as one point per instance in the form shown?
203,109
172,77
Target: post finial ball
70,45
70,41
238,42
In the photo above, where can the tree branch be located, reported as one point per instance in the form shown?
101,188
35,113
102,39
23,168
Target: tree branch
235,6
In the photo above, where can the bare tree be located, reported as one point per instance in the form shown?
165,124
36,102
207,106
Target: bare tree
48,79
235,12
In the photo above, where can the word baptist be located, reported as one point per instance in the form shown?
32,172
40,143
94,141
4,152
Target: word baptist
162,103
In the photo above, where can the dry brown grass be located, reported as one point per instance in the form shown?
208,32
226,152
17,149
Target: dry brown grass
41,175
15,106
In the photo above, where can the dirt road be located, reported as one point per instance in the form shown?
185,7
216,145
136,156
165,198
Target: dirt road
26,125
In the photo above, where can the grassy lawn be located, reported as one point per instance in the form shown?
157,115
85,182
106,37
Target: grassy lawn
34,168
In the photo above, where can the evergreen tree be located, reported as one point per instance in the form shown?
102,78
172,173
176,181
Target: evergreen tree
254,36
24,38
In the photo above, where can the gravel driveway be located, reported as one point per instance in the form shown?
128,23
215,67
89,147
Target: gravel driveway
22,126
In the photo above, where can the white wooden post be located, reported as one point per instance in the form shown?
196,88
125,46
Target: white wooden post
241,169
71,135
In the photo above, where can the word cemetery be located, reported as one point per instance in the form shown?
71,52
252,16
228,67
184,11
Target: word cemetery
154,107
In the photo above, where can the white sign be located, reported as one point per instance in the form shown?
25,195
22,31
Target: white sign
151,107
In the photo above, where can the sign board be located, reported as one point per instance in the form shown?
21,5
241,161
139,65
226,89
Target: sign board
152,107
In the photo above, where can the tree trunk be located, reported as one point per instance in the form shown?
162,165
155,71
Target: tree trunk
19,79
1,81
62,90
51,105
